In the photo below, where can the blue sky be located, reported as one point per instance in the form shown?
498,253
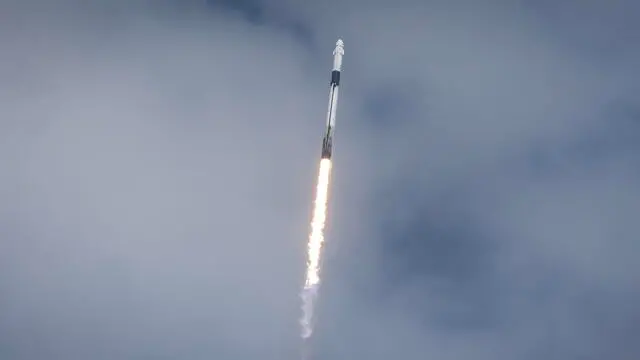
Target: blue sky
160,159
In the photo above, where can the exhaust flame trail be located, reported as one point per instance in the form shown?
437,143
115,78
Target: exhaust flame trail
314,248
316,237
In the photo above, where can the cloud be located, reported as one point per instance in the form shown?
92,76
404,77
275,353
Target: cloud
157,177
160,163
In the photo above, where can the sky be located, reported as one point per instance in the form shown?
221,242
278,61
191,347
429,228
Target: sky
159,158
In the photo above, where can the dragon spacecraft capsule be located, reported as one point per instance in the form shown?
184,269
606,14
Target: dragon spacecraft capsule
334,87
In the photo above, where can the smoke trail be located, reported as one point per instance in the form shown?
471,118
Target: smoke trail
316,239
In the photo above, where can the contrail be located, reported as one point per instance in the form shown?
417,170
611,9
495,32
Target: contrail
316,237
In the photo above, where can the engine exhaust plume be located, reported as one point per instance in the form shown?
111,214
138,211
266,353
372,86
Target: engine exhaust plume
314,248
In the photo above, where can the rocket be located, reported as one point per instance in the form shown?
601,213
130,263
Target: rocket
334,86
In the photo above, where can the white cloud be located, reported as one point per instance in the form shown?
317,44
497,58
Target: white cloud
159,169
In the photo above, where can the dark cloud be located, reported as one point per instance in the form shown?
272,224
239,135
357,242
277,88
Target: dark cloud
158,178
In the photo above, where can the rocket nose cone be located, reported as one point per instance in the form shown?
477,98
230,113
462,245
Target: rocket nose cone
340,43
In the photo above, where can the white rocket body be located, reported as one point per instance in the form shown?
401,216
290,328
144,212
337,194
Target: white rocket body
334,89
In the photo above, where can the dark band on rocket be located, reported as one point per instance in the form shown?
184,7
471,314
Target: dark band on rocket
335,77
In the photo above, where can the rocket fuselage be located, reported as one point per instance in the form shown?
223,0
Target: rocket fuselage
334,87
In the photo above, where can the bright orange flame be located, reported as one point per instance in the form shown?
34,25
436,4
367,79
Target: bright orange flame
316,239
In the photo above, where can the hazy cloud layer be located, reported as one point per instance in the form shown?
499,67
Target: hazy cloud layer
155,189
159,160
